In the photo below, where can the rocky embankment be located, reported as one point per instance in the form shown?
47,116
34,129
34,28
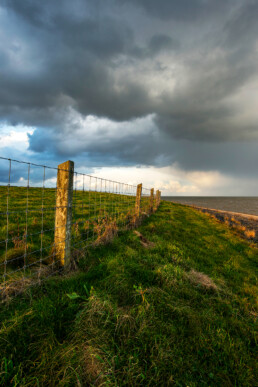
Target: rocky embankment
246,224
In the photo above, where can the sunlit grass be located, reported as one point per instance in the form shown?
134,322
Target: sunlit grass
181,312
27,222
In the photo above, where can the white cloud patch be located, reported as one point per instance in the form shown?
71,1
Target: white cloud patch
15,137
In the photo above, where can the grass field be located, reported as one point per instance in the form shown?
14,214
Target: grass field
181,311
29,225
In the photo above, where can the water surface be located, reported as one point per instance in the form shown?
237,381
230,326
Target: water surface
244,204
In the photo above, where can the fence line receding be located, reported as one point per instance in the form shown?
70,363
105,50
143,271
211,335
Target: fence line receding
49,216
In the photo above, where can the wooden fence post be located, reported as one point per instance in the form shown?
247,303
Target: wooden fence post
156,199
63,219
151,200
138,200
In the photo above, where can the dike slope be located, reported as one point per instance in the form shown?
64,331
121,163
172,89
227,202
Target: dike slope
173,304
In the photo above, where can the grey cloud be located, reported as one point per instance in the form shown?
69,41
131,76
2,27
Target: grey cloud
241,30
152,148
79,65
186,10
130,149
31,11
161,42
104,37
158,43
84,55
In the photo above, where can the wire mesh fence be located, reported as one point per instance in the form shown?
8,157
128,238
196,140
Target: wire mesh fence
49,216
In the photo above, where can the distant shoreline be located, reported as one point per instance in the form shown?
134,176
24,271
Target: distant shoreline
249,216
242,205
246,224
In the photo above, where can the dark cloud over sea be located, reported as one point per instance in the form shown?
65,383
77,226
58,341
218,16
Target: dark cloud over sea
134,82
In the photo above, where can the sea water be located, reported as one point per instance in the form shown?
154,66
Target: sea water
245,204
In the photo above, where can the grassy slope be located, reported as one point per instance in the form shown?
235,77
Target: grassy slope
139,319
90,208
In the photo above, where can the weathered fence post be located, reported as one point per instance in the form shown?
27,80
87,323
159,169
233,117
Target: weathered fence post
63,219
151,200
156,200
138,200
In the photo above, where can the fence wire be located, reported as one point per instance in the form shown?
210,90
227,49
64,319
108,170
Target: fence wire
29,243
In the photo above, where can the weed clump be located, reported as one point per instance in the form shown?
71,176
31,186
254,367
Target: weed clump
144,241
250,234
106,230
202,279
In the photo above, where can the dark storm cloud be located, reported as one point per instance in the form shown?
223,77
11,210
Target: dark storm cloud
162,42
186,10
149,148
75,60
158,43
129,149
241,30
183,61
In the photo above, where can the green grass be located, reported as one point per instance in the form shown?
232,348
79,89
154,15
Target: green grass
32,211
135,316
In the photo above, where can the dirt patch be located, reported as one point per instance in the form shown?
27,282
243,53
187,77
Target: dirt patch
144,242
202,279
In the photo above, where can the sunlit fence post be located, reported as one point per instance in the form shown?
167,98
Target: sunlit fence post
138,200
63,217
156,199
151,200
158,193
159,198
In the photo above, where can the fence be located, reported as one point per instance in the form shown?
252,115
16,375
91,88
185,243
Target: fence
49,216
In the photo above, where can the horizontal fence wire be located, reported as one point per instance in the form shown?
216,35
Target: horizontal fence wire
29,194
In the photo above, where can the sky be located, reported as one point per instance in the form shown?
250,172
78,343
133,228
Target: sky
159,92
